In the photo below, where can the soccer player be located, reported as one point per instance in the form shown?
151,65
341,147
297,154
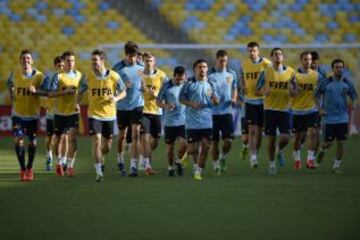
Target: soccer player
49,105
151,122
65,87
305,113
315,64
199,96
334,91
25,86
105,88
130,109
174,115
278,86
250,71
225,81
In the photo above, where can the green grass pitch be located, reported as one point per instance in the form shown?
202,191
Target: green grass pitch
241,204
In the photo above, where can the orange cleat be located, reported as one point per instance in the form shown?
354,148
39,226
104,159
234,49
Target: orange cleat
70,172
59,170
310,164
23,176
30,175
149,171
297,164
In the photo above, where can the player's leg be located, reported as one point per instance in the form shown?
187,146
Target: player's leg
283,124
312,124
181,152
61,145
214,149
192,145
96,142
245,138
341,136
136,121
170,148
49,144
123,120
19,132
107,132
205,141
270,132
73,124
299,134
329,136
31,129
227,135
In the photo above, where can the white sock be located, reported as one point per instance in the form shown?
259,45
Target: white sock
253,157
49,154
222,155
177,160
245,145
278,150
199,169
311,155
120,158
337,163
98,168
272,164
146,162
133,163
216,164
297,155
170,167
62,161
70,162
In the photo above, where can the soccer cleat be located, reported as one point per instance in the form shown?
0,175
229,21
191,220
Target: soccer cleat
133,172
99,177
171,173
297,164
184,160
272,170
197,175
179,169
281,159
64,167
30,175
122,170
23,175
254,163
59,170
217,170
48,164
103,168
310,164
320,157
149,171
244,153
337,170
70,172
223,165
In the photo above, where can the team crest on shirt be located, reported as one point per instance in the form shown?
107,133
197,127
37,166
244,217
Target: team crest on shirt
229,79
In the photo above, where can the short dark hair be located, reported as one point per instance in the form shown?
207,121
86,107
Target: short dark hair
253,44
68,54
179,70
58,59
99,52
197,62
315,55
335,61
276,49
221,53
25,51
147,55
131,48
305,53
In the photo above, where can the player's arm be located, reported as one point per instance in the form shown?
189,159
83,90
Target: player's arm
120,92
320,90
10,86
293,89
242,86
161,99
234,92
83,87
351,93
42,90
215,94
260,85
54,89
184,98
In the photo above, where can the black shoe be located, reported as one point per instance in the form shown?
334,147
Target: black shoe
171,173
133,172
103,168
179,169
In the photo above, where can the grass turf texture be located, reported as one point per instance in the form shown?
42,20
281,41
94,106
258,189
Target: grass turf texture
241,204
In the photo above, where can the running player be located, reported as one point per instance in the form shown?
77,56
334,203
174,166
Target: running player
130,109
151,121
25,86
334,91
199,96
250,71
305,113
225,81
65,86
174,115
105,88
278,86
